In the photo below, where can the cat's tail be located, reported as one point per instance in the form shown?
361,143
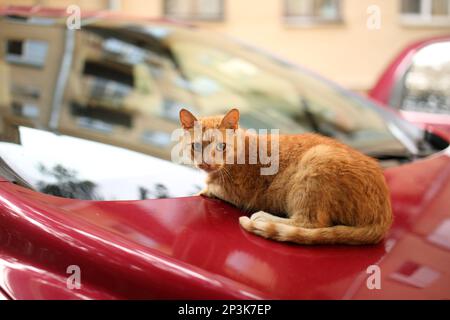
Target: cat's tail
330,235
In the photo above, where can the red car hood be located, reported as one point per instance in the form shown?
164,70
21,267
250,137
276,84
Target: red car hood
194,248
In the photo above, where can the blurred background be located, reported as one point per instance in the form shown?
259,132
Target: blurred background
99,77
332,37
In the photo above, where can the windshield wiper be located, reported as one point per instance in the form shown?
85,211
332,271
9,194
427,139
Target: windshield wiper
309,115
398,157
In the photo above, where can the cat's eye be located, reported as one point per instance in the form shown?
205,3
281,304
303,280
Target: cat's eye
221,146
197,146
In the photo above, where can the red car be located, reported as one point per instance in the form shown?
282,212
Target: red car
417,83
79,218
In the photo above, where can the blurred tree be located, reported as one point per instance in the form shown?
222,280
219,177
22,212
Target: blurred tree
67,184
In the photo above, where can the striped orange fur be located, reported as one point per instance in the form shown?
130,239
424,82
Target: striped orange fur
325,192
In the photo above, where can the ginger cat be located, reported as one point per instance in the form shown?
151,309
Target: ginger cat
323,193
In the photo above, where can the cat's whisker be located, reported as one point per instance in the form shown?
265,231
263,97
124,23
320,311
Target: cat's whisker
222,178
227,174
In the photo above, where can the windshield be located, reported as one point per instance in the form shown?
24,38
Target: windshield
124,86
272,94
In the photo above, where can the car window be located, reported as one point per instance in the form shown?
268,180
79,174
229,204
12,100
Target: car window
271,94
426,86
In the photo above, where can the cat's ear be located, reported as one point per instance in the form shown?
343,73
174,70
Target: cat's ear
231,120
187,119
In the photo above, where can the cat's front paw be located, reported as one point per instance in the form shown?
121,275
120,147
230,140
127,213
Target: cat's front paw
205,193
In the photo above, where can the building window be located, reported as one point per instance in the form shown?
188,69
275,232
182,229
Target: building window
312,11
425,12
26,52
209,10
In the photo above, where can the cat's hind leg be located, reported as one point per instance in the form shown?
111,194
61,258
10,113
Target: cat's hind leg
296,220
270,226
267,225
267,217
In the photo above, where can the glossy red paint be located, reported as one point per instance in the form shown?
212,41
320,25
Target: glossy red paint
383,89
193,248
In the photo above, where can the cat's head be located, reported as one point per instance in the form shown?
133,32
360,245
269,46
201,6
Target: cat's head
209,140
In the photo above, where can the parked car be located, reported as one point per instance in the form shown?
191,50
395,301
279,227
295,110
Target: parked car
86,117
417,84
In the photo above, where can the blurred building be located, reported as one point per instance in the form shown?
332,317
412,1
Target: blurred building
348,41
